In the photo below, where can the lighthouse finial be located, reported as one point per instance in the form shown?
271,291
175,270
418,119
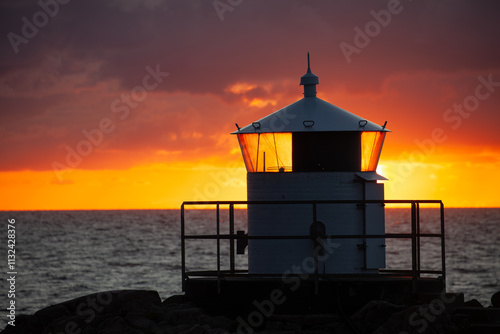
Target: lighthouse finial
309,80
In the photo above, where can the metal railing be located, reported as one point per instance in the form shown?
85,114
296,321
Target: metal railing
415,236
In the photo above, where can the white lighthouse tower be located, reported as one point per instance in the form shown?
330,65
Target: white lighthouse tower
312,150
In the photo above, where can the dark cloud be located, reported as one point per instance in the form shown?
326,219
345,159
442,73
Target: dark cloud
66,76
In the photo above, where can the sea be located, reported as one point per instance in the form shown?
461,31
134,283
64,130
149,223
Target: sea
61,255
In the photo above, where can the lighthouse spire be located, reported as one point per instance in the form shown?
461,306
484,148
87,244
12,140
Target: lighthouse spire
309,80
308,64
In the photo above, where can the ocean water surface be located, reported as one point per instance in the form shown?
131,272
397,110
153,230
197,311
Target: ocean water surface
62,255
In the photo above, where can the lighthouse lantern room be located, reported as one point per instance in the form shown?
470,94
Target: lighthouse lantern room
312,150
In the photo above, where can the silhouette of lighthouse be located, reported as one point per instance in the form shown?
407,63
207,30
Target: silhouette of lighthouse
312,150
315,227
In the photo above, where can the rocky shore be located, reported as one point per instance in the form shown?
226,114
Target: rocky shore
143,312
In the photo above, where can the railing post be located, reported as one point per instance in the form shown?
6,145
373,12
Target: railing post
218,250
315,253
364,204
418,237
443,257
183,250
414,247
231,235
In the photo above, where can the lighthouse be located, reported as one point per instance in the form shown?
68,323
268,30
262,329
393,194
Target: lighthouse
314,232
312,150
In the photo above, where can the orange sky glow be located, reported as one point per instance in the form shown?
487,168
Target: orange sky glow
97,115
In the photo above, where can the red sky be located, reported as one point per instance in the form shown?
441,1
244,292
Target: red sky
431,69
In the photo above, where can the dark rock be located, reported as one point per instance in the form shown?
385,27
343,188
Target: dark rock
334,327
89,330
99,319
180,328
287,318
176,299
25,324
294,326
112,302
114,325
184,316
138,300
373,315
217,331
137,312
451,299
274,325
139,320
72,324
473,303
52,313
495,299
90,305
422,319
319,319
308,323
220,322
99,312
340,328
161,328
197,329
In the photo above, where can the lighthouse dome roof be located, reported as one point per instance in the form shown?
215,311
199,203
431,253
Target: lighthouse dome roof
310,114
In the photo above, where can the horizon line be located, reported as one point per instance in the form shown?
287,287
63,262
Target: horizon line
224,208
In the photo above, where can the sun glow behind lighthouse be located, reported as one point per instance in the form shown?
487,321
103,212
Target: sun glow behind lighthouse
277,145
371,147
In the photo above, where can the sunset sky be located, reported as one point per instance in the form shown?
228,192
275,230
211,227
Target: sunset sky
130,104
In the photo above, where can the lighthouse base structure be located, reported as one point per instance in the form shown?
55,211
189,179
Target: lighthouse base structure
333,256
302,295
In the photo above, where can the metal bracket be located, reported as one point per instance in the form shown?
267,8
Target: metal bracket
241,242
362,246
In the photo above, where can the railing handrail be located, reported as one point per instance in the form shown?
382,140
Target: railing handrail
323,201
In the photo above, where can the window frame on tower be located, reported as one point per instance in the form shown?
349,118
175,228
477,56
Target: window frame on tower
335,151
